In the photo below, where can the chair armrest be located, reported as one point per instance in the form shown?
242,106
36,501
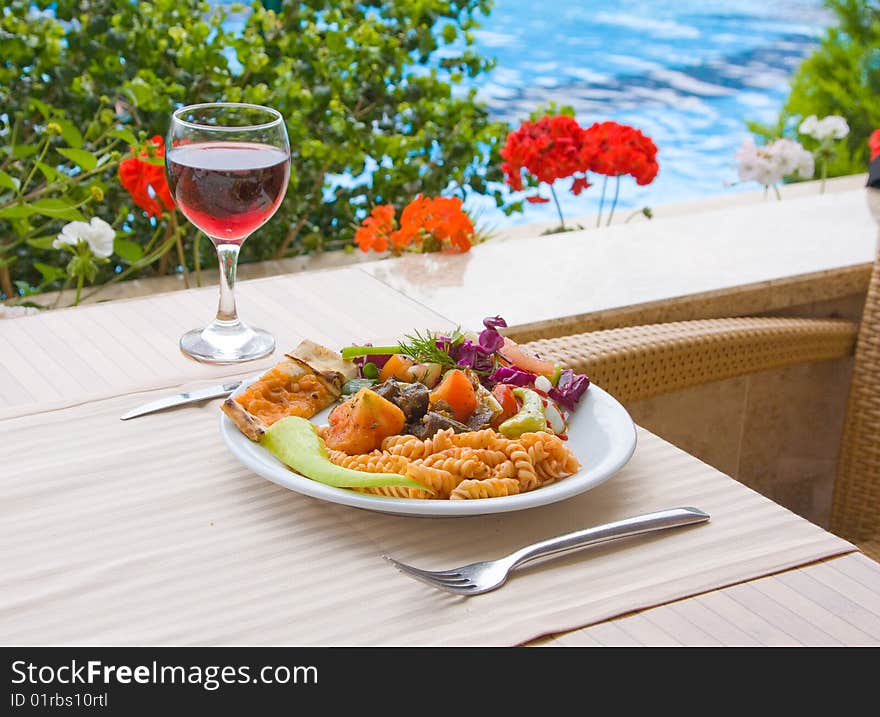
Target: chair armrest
638,362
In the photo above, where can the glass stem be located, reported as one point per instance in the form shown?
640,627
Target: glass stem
227,255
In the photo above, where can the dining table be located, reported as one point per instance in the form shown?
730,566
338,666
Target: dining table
149,532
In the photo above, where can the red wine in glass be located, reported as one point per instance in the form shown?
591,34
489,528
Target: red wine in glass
227,189
228,165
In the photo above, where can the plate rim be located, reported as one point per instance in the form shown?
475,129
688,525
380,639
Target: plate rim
291,480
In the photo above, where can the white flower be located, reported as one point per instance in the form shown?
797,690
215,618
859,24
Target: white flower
808,126
830,127
747,156
787,155
767,165
806,164
98,234
833,126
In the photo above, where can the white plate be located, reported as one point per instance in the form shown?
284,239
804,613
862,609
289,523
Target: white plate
601,434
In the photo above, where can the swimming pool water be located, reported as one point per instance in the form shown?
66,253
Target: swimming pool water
687,73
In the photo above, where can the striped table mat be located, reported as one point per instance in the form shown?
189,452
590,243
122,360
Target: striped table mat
832,603
148,532
59,358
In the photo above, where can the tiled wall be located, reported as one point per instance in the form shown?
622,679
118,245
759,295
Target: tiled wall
776,431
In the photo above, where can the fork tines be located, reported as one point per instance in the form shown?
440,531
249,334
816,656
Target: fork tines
450,580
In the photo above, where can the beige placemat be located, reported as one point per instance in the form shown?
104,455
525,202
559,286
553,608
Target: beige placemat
835,602
148,532
63,357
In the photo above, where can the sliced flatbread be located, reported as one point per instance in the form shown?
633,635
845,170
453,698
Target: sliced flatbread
307,381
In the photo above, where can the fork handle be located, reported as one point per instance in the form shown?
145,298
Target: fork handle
673,518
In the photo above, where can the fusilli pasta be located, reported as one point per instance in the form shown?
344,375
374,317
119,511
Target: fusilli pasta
489,488
466,466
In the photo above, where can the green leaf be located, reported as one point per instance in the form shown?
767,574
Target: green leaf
80,157
50,173
48,272
41,107
125,135
127,250
57,207
160,161
42,242
24,288
9,181
364,97
16,211
70,133
23,151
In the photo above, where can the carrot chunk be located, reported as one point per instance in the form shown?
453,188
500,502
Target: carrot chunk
457,390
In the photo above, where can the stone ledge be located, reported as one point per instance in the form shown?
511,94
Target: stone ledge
825,285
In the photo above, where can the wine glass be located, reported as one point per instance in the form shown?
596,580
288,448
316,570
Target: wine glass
228,165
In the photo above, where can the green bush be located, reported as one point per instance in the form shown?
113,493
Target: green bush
841,77
375,90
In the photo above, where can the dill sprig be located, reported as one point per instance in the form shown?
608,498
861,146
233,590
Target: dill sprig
419,347
424,348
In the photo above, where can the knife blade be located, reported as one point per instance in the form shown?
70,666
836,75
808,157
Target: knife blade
181,399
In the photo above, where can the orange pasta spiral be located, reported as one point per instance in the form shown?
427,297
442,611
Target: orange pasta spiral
489,488
465,462
466,466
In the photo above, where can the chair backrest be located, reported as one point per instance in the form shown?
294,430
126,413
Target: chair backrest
855,512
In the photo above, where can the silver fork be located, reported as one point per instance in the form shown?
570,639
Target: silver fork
488,575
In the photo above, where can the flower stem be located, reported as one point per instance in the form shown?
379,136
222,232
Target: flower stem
153,239
778,195
172,218
558,208
138,265
23,185
79,285
602,201
63,183
824,176
614,203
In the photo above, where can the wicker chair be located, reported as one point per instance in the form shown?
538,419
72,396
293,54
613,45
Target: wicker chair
639,362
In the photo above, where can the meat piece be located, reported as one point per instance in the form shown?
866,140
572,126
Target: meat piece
444,409
411,398
432,422
389,390
481,417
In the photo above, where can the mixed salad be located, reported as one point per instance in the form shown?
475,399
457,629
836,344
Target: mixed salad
468,381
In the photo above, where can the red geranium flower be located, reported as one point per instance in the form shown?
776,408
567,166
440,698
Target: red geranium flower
139,176
375,229
614,149
551,148
558,147
442,219
874,144
426,224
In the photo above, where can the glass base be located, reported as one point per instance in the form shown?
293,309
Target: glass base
226,342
